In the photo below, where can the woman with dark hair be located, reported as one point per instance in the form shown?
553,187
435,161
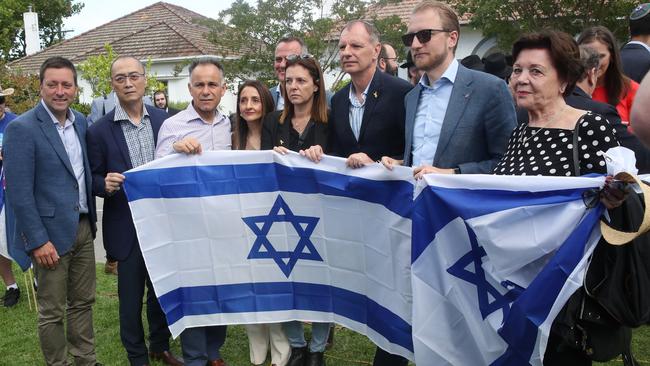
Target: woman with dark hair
546,68
302,124
613,86
254,101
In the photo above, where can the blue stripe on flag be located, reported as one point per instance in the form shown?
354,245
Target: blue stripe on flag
435,207
279,296
217,180
530,310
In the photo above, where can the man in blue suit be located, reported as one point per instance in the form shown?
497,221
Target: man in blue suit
49,188
123,139
635,55
457,120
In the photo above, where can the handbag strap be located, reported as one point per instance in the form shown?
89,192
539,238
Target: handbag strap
616,237
576,152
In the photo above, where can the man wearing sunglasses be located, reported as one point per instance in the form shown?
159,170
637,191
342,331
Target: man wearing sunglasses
122,139
457,120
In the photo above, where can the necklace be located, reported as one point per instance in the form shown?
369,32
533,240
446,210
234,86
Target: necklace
523,139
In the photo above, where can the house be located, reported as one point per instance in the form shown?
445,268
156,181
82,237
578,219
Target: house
166,34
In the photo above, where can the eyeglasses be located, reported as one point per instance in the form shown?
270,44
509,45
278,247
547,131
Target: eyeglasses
424,36
304,56
134,76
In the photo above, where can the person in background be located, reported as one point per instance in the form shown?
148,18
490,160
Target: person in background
640,117
495,64
12,294
160,100
613,86
387,61
414,74
635,55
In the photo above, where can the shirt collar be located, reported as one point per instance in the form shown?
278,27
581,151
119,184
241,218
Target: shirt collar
449,75
69,115
194,115
352,94
121,115
640,43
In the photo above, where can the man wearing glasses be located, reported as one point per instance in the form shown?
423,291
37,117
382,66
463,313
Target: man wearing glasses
457,120
387,61
123,139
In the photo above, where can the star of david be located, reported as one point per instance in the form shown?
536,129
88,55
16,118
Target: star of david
483,288
262,247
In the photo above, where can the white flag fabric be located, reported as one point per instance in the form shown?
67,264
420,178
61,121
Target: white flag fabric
494,260
257,237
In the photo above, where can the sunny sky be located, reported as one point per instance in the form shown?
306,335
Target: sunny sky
98,12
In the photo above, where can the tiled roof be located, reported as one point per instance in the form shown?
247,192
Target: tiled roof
156,31
403,10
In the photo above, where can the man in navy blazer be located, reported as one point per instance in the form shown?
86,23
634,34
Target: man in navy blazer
123,139
635,55
49,188
457,120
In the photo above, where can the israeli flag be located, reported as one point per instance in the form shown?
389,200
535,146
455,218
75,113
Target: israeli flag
257,237
494,259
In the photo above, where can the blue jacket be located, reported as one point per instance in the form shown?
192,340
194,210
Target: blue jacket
479,120
42,188
108,153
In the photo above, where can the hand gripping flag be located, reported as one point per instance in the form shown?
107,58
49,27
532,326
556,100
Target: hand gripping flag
257,237
494,260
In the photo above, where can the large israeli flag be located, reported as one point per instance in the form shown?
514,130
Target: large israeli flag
257,237
494,260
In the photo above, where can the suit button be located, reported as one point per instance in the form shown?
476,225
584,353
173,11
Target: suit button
76,207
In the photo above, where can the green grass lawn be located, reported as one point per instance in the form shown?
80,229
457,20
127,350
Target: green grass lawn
19,340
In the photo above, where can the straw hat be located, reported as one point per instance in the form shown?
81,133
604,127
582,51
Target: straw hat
5,92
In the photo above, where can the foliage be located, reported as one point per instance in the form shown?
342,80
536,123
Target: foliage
178,105
50,21
96,70
248,34
507,20
26,86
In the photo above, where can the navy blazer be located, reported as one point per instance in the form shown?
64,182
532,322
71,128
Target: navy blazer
581,100
108,153
42,188
475,131
382,127
636,61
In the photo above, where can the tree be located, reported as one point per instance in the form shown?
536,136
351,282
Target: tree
50,21
96,70
248,34
507,20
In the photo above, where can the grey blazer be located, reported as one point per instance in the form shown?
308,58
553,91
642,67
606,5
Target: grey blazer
42,188
479,120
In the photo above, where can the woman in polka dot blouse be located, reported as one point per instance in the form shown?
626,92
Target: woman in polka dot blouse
547,66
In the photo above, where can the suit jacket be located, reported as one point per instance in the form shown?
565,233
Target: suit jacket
108,152
276,134
382,127
42,188
636,61
581,100
479,120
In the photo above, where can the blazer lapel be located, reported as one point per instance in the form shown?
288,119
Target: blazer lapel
120,141
344,113
372,99
411,106
460,96
52,135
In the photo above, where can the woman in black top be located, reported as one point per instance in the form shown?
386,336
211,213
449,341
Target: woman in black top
303,122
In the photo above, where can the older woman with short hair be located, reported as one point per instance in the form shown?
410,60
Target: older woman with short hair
546,68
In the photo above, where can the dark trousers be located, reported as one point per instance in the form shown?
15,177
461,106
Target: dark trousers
202,344
131,280
383,358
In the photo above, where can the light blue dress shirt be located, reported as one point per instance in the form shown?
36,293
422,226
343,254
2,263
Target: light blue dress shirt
73,148
430,114
356,109
280,104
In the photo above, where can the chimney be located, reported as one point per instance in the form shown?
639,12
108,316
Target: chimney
32,39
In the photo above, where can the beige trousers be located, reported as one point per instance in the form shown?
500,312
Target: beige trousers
260,336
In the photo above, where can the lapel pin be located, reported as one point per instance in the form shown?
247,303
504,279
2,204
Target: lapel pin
375,94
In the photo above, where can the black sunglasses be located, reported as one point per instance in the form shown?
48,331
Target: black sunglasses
305,56
424,36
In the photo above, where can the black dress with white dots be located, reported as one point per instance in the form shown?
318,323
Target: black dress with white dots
549,151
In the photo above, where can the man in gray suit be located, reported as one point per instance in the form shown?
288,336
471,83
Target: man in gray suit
49,188
457,120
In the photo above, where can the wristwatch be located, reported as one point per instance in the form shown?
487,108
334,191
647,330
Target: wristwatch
456,170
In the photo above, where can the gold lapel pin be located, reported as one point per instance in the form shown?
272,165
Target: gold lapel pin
376,94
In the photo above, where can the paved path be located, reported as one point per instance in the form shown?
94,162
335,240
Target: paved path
100,253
